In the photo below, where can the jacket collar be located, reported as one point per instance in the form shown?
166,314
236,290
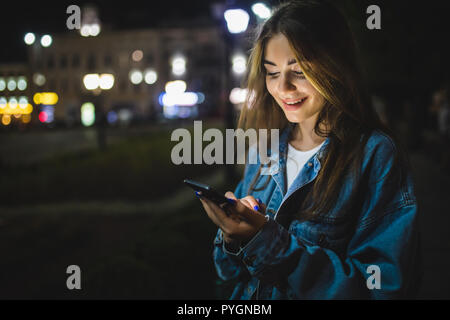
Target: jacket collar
278,171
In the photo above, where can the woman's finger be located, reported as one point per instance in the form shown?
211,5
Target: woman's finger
209,211
255,205
230,195
218,215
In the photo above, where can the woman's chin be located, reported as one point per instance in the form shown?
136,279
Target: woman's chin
293,119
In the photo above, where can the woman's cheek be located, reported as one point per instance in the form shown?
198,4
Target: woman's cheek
270,86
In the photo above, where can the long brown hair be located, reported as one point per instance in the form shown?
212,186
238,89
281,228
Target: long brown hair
325,49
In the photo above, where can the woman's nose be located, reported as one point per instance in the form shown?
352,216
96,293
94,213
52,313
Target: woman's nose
285,84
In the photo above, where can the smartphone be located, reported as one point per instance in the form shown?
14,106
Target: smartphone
207,191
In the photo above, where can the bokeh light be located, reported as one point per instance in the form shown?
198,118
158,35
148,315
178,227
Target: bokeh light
94,30
6,119
106,81
46,41
13,102
87,114
22,83
239,64
136,76
150,76
237,20
47,98
238,95
179,65
137,55
26,118
111,117
43,116
174,87
49,112
29,38
261,11
12,85
3,102
91,81
85,30
23,102
39,79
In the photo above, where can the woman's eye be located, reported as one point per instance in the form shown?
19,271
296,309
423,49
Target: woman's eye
272,74
299,74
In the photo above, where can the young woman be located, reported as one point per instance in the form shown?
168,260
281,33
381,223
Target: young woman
338,219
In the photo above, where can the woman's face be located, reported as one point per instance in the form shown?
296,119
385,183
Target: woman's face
287,84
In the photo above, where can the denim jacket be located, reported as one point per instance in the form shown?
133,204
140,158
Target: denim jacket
333,256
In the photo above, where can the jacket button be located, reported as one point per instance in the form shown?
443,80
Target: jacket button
249,260
309,164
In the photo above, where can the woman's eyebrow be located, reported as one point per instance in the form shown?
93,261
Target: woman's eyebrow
292,61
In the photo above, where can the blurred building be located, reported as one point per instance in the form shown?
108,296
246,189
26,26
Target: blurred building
141,63
15,94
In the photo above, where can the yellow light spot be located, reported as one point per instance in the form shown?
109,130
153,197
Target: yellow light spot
6,119
28,109
26,118
8,110
37,98
48,98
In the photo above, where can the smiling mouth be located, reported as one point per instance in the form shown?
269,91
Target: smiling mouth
294,104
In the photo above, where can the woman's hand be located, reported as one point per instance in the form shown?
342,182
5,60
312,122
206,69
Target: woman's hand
243,220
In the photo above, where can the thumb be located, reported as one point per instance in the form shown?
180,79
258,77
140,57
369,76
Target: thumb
230,195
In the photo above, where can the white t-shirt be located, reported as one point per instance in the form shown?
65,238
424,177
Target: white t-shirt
296,159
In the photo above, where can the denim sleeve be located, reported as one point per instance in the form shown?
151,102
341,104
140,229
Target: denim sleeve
385,237
312,272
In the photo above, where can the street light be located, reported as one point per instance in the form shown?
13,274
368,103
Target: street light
106,81
46,40
150,76
91,81
94,30
261,11
136,76
29,38
179,65
239,63
237,20
96,83
2,84
174,87
39,79
90,30
22,83
12,85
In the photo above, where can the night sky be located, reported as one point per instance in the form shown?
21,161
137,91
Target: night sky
412,44
18,18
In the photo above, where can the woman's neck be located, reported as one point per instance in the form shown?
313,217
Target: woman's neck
304,138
